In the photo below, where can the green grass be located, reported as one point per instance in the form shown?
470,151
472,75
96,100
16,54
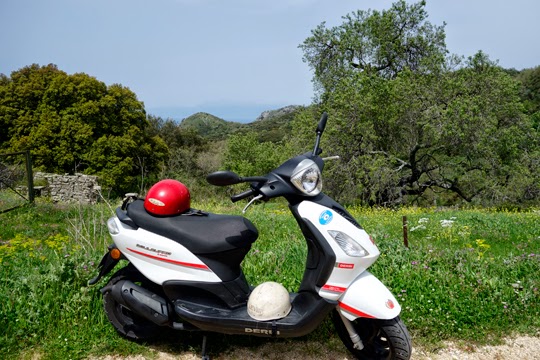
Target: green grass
474,279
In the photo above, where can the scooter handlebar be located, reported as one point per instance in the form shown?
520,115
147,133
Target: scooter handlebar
242,195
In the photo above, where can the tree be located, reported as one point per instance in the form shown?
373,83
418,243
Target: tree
461,131
75,123
530,93
408,121
190,157
247,156
375,43
5,121
175,135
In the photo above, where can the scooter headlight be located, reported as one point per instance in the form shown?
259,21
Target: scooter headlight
347,244
307,178
112,226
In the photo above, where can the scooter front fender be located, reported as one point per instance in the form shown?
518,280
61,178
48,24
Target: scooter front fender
368,297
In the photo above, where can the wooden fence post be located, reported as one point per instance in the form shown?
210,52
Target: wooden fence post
30,176
405,232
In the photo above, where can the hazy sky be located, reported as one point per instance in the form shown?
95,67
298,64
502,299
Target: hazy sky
232,58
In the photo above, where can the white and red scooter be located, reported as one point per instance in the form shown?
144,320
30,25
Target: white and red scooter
185,270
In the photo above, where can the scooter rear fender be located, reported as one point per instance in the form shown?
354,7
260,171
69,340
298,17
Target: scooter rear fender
368,297
105,266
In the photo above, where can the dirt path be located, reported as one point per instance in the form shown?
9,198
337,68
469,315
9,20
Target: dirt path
513,349
520,348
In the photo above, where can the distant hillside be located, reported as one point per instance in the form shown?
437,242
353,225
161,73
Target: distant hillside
271,125
210,126
279,113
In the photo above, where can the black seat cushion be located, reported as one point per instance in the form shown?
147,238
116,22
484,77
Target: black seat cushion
206,234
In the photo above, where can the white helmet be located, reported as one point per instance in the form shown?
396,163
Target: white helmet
269,301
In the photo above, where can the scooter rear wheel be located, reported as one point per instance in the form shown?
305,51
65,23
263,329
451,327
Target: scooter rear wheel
382,339
126,322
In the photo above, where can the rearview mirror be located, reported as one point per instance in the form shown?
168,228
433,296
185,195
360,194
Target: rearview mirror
322,123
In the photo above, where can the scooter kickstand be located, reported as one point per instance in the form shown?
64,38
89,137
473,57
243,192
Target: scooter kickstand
204,355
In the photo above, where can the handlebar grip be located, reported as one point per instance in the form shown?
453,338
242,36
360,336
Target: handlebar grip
242,195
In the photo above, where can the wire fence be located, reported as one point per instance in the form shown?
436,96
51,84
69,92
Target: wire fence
16,180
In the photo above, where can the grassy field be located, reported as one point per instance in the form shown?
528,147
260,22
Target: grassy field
469,275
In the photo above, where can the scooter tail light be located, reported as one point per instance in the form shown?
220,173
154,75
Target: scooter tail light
347,244
115,254
112,226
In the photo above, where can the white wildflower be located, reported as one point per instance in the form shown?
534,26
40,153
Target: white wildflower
419,227
447,223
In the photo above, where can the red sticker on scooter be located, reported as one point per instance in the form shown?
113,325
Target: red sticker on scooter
390,304
332,288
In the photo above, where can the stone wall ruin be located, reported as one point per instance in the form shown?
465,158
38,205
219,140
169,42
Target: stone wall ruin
78,188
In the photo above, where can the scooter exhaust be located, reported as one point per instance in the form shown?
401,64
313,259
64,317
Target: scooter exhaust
141,301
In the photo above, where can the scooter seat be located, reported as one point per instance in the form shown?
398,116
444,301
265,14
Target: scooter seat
205,234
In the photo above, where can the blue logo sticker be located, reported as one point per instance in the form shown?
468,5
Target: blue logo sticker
325,217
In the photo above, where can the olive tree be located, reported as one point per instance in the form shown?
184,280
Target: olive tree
381,43
75,123
408,120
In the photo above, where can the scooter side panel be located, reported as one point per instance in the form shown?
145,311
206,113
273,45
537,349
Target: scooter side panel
159,258
368,297
346,268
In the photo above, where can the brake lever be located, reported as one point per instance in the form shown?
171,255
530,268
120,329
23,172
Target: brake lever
331,158
258,197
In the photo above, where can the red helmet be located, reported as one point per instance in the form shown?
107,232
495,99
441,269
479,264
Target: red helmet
167,197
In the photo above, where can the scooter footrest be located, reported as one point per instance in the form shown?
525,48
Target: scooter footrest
210,313
307,312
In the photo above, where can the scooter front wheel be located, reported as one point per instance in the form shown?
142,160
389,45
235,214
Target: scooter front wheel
126,322
382,339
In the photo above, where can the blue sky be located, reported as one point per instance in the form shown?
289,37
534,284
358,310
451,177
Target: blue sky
231,58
